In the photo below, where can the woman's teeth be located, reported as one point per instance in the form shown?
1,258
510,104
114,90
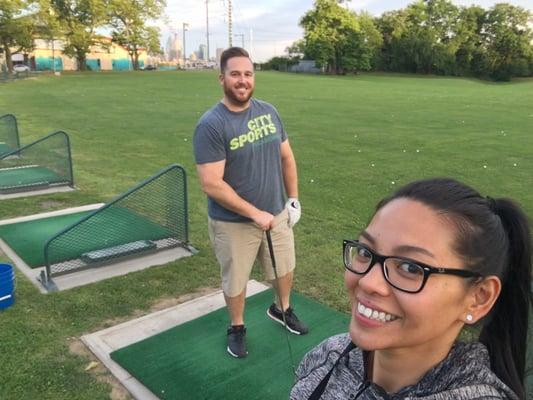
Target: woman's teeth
374,314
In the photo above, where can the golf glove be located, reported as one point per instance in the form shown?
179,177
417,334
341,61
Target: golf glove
295,211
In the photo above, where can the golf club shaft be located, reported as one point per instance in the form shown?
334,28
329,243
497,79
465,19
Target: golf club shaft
273,259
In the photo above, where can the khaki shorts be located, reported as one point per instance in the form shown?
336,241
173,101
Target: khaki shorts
238,244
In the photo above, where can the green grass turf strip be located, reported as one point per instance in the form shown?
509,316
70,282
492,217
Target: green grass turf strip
28,238
190,361
18,177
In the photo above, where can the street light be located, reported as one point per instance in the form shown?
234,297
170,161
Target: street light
185,29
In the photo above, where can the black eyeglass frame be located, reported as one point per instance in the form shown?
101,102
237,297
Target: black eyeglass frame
427,269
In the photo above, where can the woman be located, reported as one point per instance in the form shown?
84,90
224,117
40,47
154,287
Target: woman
436,256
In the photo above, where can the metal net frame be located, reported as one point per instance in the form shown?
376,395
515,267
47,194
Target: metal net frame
9,134
49,158
151,216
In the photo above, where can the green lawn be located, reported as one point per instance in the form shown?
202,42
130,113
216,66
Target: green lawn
355,139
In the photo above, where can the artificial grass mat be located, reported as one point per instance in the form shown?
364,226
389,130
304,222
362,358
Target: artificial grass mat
27,176
190,361
106,230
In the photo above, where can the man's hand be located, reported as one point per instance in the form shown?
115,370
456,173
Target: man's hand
295,211
263,219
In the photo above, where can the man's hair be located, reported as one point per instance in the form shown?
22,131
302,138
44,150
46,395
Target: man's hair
230,53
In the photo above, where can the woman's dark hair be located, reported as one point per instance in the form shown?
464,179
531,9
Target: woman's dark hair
230,53
493,238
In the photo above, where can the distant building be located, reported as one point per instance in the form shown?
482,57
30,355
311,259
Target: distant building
48,55
174,48
202,52
219,54
308,66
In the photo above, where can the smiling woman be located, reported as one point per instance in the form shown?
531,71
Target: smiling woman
435,257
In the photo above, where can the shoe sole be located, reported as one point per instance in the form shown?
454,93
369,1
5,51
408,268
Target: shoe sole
272,317
235,355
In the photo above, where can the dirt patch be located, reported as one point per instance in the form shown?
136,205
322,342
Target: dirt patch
97,369
51,204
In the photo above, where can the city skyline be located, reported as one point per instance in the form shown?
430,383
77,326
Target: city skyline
265,30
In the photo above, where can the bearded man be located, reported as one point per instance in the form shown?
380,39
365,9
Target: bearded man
247,169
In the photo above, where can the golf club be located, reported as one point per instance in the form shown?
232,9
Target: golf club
273,258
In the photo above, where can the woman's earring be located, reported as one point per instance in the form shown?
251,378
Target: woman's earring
469,317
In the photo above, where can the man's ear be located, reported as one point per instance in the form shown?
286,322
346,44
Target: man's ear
482,296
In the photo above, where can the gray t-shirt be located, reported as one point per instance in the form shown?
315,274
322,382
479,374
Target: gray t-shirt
250,142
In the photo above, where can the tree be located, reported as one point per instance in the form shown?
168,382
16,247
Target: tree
362,47
508,41
328,28
128,20
79,20
16,28
470,47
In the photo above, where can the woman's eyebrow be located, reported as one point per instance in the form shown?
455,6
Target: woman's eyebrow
367,236
399,249
416,249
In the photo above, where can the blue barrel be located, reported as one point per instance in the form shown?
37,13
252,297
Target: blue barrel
7,286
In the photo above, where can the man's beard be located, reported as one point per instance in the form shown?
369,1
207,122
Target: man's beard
235,99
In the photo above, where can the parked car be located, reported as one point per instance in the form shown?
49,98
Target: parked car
150,67
20,68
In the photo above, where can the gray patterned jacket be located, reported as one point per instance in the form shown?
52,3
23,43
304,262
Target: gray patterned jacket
464,374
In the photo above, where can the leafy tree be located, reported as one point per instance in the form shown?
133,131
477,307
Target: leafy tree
128,20
296,51
328,29
79,21
16,28
470,47
508,41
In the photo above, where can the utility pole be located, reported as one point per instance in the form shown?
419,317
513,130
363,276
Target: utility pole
250,50
230,33
207,26
185,28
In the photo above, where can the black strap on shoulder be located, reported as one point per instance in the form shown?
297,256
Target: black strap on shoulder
324,382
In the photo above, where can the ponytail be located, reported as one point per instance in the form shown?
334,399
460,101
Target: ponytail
504,332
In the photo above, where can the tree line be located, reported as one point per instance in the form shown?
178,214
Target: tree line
76,23
427,36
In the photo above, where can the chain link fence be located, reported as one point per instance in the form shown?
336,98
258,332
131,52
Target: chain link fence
44,163
151,216
9,134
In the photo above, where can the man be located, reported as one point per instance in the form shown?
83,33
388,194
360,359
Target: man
245,165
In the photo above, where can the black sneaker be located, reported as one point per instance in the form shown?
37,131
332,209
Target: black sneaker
294,325
236,341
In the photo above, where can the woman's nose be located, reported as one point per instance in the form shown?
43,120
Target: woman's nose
374,281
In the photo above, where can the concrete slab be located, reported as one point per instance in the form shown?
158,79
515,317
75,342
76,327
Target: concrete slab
104,342
56,189
90,275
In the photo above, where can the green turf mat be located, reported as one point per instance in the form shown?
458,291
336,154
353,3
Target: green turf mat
190,361
27,176
28,238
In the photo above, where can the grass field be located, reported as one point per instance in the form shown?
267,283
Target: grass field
355,139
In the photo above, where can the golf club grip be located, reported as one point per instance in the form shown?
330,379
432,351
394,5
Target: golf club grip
271,249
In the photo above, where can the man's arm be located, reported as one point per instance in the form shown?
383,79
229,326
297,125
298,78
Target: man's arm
212,182
290,175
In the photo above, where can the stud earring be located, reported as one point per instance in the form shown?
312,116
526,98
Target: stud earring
469,317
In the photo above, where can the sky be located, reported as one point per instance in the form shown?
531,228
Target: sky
264,27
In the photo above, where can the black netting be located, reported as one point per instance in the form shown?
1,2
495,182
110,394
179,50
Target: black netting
44,163
149,217
9,134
